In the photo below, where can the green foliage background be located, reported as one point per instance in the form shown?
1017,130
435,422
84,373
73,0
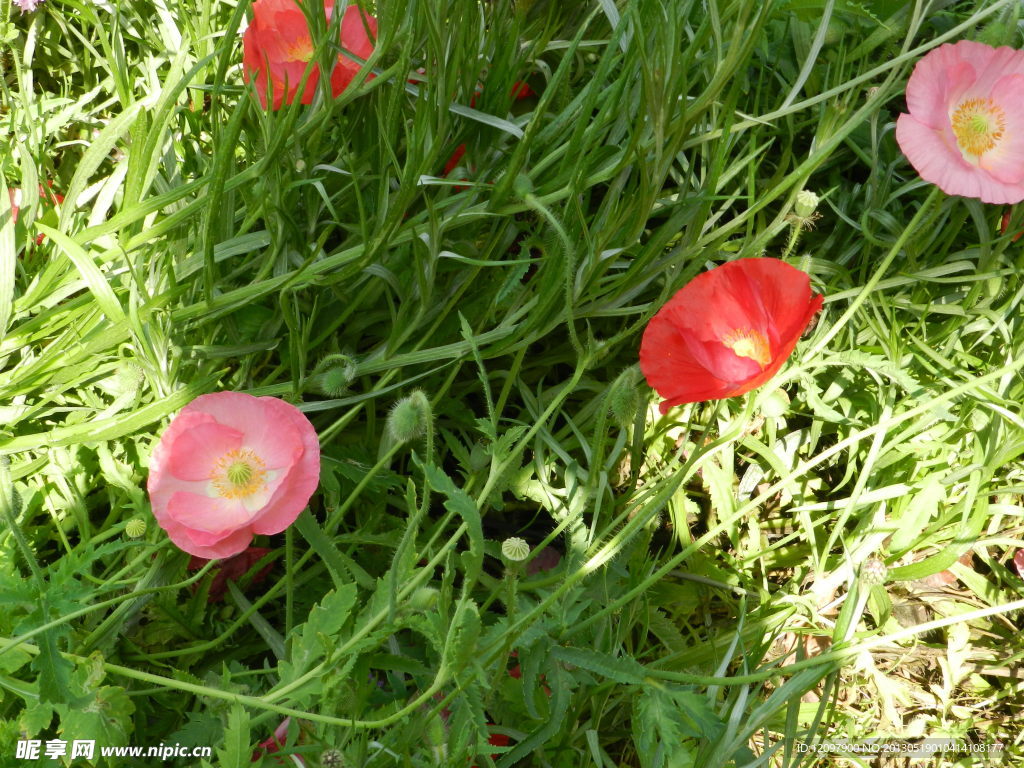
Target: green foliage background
318,255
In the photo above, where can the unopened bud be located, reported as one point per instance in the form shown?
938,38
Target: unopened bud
334,374
423,599
624,398
409,418
522,185
135,528
775,404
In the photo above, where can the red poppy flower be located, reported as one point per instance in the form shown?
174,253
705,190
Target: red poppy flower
496,740
1006,223
277,46
727,331
232,569
46,195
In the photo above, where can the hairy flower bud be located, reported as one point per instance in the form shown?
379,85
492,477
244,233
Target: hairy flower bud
333,375
624,398
874,571
409,418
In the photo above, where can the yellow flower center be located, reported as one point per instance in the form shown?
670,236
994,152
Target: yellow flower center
978,125
238,474
299,50
750,344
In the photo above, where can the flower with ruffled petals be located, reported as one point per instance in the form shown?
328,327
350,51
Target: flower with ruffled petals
727,331
965,130
231,466
277,46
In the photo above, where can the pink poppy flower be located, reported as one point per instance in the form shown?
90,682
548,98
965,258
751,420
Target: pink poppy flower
277,46
231,466
965,130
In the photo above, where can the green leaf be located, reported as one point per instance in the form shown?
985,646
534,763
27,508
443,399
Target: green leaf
459,502
622,669
460,645
54,670
93,711
94,278
312,640
8,259
236,752
918,511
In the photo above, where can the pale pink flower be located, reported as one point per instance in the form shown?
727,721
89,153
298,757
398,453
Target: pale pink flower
27,5
965,130
230,466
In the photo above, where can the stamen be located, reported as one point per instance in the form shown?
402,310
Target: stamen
238,474
750,344
978,125
300,50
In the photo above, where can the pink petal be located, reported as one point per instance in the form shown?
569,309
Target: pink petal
938,80
226,547
274,439
207,519
195,452
991,65
294,492
1006,161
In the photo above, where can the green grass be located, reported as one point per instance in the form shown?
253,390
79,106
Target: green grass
207,245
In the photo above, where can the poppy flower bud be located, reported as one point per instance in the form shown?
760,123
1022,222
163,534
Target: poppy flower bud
423,599
333,375
522,185
624,398
409,418
135,528
775,404
332,758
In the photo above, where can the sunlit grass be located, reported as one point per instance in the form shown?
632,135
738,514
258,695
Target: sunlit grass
695,591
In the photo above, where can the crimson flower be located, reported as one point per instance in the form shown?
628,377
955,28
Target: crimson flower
48,197
277,46
232,569
727,331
